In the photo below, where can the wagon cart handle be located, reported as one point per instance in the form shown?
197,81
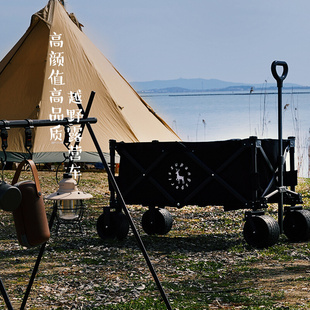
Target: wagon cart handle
275,74
280,80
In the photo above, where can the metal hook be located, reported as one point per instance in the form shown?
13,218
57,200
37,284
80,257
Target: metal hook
4,138
28,136
66,141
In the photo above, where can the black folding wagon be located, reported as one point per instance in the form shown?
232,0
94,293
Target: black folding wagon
244,174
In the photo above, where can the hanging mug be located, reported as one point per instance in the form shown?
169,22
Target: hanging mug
10,197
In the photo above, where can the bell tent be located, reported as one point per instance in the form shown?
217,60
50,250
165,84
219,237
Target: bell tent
52,66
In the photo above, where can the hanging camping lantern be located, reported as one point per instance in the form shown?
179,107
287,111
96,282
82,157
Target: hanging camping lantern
69,201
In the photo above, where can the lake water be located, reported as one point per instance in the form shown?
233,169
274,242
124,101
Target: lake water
224,116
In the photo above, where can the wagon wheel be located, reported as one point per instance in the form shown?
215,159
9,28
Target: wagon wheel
261,231
112,225
157,221
296,225
122,225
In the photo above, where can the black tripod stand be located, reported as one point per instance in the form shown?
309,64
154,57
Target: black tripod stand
84,121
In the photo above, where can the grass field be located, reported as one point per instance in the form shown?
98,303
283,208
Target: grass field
202,263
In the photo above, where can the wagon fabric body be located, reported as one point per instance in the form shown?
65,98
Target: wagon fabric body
236,174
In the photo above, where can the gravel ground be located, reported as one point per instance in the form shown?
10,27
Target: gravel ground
203,263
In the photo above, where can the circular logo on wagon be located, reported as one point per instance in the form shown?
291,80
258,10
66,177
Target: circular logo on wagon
179,176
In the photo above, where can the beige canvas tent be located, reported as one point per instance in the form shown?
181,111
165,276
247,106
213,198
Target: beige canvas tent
50,67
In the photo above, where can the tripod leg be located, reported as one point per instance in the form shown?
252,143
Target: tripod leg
133,227
36,266
5,296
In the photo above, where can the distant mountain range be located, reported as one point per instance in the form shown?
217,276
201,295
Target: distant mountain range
199,85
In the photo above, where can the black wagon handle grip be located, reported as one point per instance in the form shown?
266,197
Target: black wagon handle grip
275,74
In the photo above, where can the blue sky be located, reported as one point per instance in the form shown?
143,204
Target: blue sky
168,39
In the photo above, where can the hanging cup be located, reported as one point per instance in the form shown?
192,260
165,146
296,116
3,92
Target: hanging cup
10,197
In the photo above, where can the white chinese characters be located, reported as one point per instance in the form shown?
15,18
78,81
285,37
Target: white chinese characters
57,80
